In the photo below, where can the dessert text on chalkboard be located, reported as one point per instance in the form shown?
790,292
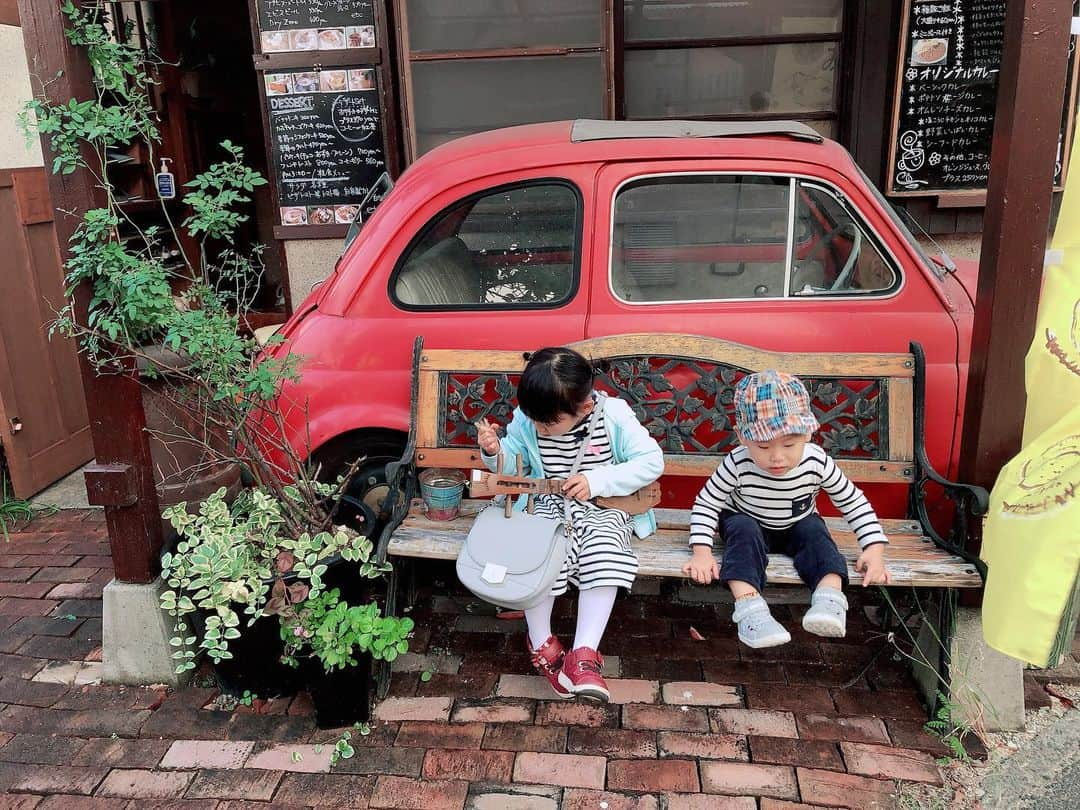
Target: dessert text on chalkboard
327,141
315,25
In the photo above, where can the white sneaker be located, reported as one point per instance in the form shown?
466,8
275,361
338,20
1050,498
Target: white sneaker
827,615
757,627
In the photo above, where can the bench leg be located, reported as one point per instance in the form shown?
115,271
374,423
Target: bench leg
985,687
382,669
409,578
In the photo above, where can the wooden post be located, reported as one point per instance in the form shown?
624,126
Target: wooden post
122,479
1031,87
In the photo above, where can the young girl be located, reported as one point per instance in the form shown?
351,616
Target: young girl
556,401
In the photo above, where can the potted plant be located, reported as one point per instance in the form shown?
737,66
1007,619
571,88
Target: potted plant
258,596
334,644
244,571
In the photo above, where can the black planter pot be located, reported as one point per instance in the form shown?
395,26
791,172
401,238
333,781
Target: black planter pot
256,663
341,697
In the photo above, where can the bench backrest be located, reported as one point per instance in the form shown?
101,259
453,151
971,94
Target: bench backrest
682,387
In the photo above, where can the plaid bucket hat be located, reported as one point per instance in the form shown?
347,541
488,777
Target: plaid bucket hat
770,404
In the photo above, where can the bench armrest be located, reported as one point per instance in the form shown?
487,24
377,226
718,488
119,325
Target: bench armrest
401,474
972,502
401,482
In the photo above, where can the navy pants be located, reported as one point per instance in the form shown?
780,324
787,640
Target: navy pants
747,545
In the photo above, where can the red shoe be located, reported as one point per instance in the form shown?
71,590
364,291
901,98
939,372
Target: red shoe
547,660
580,675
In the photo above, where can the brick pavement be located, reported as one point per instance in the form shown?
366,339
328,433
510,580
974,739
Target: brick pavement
693,723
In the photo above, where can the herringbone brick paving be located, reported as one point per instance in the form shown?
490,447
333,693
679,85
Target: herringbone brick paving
694,723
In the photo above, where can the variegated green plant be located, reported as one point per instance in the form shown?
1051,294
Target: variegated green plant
234,564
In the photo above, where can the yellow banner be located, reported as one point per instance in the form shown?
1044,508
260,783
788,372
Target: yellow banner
1031,540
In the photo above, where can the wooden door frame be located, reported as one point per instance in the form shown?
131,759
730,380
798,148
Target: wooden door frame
123,475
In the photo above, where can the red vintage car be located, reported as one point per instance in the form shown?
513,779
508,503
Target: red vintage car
761,233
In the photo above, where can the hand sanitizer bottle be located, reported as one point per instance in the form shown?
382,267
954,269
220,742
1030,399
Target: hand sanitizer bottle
166,183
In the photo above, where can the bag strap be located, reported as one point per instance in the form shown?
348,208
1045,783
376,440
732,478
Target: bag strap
593,422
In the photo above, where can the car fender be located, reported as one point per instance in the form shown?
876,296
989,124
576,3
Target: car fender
330,424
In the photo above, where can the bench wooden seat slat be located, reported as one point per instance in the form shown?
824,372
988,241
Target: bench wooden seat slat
913,559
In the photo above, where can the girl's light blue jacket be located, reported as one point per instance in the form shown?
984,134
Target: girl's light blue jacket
638,458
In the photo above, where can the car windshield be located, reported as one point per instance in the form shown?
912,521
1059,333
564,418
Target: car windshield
379,189
898,222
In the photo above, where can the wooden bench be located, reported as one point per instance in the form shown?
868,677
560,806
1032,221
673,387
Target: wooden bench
871,408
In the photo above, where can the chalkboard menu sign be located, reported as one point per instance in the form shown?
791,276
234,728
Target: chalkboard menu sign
943,123
327,142
315,25
950,58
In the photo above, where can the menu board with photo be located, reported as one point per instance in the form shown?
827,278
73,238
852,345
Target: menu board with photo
327,142
943,122
315,25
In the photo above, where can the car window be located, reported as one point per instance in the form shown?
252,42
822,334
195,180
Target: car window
833,253
727,237
700,237
516,246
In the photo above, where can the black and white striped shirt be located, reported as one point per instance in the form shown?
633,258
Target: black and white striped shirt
557,453
777,502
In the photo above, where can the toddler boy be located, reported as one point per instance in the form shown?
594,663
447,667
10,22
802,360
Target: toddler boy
762,497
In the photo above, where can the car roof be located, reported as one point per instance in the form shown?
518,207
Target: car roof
585,140
589,129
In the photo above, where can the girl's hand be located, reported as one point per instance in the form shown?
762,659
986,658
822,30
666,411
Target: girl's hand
702,567
577,487
871,564
487,438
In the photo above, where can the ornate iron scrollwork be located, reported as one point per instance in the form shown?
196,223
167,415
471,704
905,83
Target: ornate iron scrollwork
687,405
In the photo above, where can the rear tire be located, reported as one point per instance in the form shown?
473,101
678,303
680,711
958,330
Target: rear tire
361,505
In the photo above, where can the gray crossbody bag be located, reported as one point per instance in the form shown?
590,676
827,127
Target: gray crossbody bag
513,560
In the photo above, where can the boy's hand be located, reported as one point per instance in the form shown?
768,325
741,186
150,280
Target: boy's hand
702,567
871,564
487,438
577,487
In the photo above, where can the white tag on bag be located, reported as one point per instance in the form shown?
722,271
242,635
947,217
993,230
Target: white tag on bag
493,573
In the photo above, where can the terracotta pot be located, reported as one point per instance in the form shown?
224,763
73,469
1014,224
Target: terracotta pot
184,469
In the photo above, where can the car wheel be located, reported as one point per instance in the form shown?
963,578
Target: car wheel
361,505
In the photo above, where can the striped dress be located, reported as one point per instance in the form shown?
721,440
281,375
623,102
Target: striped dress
599,551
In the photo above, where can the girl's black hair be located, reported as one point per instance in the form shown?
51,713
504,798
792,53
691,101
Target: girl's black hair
555,381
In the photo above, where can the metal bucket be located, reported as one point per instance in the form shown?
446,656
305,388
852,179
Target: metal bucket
441,490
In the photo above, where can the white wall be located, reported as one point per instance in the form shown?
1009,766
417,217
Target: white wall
14,92
309,261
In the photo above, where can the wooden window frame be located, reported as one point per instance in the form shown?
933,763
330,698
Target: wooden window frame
406,58
613,49
842,38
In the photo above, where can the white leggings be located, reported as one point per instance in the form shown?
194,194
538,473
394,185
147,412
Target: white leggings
594,610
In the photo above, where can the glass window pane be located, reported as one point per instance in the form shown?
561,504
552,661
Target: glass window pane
514,246
455,98
826,129
465,25
774,79
833,252
700,238
709,19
